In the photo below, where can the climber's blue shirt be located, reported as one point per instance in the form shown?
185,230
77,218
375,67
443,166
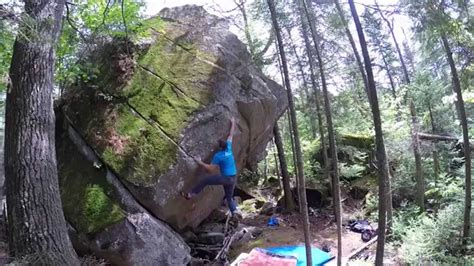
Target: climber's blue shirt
225,160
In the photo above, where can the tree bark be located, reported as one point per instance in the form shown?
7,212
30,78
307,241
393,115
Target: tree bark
35,217
353,45
420,182
399,51
465,133
381,155
299,157
305,12
289,203
317,97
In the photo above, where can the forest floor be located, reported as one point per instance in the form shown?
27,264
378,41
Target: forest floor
323,234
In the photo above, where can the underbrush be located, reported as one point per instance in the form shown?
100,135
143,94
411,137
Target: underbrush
431,238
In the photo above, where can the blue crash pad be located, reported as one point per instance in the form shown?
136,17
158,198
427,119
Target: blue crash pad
319,257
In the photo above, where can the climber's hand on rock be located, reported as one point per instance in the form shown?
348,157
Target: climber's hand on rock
197,159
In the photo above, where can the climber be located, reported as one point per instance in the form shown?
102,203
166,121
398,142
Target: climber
224,162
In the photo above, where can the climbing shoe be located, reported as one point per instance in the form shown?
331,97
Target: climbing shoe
237,215
185,195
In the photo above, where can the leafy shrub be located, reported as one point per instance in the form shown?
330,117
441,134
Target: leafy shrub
431,239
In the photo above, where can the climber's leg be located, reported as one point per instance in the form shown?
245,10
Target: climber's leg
211,180
229,193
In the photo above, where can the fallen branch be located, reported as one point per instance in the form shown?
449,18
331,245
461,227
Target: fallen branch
226,245
362,248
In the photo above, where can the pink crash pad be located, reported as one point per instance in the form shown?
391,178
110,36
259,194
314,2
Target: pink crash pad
258,257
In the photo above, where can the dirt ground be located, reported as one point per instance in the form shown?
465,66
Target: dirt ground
290,232
323,233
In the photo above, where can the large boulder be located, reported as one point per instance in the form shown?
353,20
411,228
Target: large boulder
145,110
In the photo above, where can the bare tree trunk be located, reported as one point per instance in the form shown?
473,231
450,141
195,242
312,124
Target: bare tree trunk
420,182
389,74
277,167
465,133
353,45
435,149
312,121
241,6
299,157
289,203
293,155
36,224
399,51
317,97
381,155
305,12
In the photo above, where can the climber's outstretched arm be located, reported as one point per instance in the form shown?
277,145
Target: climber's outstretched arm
232,129
209,167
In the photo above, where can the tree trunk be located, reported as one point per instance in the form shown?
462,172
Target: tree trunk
353,45
390,77
399,51
420,182
299,157
465,133
289,203
35,217
381,155
308,97
435,149
293,155
310,19
241,6
317,95
265,171
277,167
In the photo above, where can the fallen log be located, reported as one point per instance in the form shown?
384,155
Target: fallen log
360,249
432,137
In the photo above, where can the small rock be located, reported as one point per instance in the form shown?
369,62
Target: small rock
189,236
210,238
267,209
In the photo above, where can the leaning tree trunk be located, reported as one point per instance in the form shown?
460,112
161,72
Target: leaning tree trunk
308,97
397,47
299,157
317,97
290,126
382,163
360,65
289,203
36,224
310,19
465,133
390,77
420,182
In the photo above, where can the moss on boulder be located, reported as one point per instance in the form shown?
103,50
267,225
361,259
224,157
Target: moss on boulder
86,196
145,115
357,140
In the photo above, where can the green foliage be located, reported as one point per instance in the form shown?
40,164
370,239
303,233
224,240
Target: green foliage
6,50
91,23
432,238
351,171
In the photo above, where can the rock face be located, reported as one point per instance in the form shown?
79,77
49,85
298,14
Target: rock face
128,133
